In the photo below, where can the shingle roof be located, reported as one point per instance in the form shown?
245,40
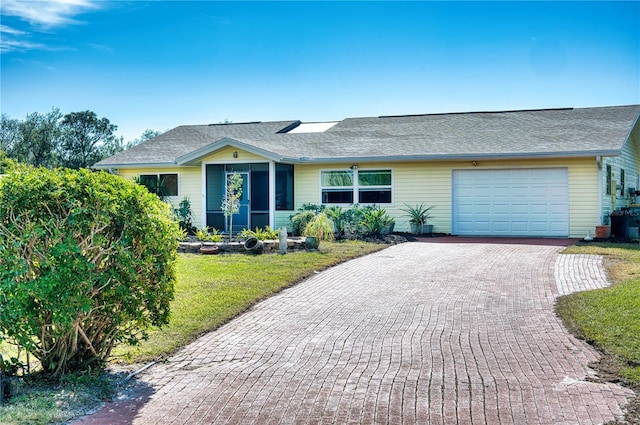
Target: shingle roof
514,134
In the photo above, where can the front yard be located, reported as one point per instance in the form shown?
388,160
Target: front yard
211,290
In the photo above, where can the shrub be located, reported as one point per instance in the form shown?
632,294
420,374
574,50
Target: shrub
87,261
205,236
184,215
320,227
373,220
261,234
299,221
339,218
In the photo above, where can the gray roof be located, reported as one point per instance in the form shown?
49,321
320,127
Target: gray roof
570,132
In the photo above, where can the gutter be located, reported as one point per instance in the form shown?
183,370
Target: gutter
184,160
442,158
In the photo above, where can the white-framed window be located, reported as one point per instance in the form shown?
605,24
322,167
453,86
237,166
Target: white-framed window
163,184
337,186
356,186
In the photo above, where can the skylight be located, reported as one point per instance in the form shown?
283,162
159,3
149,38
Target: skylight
313,127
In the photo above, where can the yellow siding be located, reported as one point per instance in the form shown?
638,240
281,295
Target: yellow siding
430,183
189,182
629,161
226,156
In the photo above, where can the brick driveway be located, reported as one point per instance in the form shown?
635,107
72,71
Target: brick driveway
420,333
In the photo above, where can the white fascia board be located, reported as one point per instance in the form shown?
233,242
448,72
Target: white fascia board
133,165
434,158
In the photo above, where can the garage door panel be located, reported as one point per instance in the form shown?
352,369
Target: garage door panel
558,209
515,202
501,209
519,226
501,226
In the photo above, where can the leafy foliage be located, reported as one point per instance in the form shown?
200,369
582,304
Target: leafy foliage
299,221
373,220
184,215
86,262
74,140
7,164
418,214
320,227
33,141
339,218
261,234
86,139
205,236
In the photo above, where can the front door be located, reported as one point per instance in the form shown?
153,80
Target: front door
241,219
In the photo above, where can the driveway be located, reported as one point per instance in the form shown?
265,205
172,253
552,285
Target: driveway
420,333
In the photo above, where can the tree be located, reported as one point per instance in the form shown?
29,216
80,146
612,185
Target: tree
86,139
37,139
87,261
9,133
231,203
146,135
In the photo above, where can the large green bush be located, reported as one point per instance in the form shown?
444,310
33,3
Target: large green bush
87,261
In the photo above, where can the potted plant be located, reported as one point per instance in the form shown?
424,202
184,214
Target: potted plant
320,228
418,217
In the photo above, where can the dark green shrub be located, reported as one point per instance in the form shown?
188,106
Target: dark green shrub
339,218
300,220
184,216
86,262
372,221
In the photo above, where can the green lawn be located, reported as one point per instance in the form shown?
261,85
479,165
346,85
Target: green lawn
213,289
609,318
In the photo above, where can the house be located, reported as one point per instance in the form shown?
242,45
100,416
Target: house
541,173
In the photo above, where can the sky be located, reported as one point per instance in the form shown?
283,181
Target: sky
159,64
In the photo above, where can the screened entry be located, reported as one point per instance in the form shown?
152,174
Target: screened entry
254,208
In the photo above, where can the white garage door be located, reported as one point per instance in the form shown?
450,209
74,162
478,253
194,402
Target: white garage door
522,202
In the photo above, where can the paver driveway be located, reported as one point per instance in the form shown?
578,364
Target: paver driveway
420,333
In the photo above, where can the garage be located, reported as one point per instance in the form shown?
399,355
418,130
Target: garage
511,202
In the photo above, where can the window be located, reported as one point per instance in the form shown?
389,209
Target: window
161,184
609,177
374,187
337,187
284,187
356,186
622,182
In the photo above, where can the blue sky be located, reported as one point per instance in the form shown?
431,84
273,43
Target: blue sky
160,64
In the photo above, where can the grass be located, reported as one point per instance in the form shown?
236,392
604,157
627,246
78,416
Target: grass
211,290
609,318
44,402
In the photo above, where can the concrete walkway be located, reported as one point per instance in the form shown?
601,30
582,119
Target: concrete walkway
420,333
